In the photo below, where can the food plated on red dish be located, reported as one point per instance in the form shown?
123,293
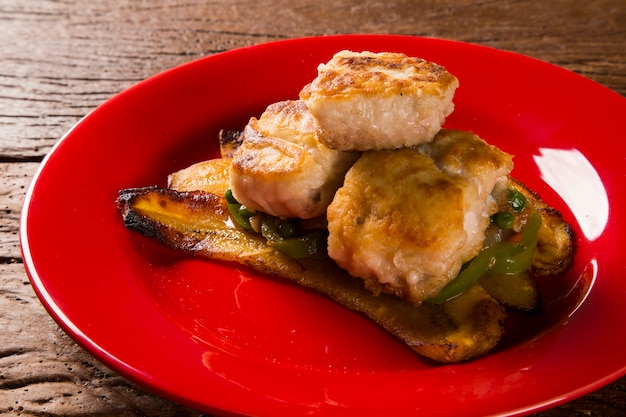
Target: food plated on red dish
209,333
355,190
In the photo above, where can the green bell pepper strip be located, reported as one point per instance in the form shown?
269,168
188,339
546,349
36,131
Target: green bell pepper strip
280,234
310,244
503,257
240,214
519,257
235,210
504,220
517,201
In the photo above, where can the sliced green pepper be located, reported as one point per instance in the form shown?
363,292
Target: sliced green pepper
517,201
504,220
469,274
230,198
240,214
282,234
310,244
502,257
519,257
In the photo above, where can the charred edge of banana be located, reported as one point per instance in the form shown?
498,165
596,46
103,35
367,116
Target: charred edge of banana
229,141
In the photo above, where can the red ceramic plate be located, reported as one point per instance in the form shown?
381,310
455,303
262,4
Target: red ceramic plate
220,338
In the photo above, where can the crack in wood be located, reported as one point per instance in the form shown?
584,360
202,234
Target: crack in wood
17,383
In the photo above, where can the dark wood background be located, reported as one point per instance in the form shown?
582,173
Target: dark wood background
61,58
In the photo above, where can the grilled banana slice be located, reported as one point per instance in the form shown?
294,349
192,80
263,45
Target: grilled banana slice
196,222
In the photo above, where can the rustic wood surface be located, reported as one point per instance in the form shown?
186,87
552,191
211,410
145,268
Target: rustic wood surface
61,58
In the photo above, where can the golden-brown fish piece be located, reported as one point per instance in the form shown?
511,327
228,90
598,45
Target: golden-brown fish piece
282,168
406,220
366,100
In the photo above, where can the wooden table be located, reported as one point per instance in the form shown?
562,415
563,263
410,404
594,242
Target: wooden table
60,59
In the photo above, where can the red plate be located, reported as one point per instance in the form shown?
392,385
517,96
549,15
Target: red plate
223,339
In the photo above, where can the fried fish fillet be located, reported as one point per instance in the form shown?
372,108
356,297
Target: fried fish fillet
282,168
406,220
366,100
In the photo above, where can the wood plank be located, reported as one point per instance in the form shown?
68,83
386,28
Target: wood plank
14,181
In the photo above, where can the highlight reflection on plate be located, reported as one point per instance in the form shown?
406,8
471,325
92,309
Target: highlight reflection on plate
221,338
575,179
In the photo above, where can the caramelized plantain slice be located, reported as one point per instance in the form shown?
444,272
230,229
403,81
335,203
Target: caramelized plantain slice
463,328
229,141
555,245
210,176
196,222
517,291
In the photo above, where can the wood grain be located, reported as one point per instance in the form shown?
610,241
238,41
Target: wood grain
59,59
